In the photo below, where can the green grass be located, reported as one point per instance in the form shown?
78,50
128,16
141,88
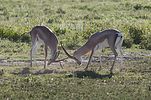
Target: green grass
77,18
133,83
13,50
73,21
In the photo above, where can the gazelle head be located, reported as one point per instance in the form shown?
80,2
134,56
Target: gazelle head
74,57
54,57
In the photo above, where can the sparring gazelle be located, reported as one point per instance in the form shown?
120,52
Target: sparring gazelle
48,38
108,38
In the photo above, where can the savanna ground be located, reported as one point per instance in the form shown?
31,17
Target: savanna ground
73,21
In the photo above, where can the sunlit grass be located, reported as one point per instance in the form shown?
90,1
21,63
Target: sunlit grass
72,82
77,18
130,84
73,21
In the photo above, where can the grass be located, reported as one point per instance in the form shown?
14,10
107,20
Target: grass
73,21
74,83
77,18
13,50
131,84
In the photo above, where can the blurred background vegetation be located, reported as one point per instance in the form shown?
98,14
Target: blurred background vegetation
73,21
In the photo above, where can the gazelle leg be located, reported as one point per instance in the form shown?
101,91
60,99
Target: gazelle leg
119,50
46,49
33,49
31,54
100,60
111,70
112,46
89,60
121,57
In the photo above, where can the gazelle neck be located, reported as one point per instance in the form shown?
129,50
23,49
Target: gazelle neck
81,51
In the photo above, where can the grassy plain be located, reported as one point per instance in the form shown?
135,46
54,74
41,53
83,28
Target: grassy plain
72,82
73,21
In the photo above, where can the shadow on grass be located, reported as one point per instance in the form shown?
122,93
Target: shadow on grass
78,74
23,71
89,74
26,71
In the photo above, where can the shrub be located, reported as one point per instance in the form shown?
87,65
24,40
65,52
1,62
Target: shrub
25,38
146,43
59,31
60,11
138,7
9,33
128,41
136,33
71,40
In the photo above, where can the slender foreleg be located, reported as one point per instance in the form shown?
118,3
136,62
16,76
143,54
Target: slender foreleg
112,46
120,52
33,49
89,59
121,58
100,59
111,70
46,49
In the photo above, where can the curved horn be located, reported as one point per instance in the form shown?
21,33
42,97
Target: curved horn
67,52
72,57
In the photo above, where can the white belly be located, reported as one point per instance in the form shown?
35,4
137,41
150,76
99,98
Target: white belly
102,45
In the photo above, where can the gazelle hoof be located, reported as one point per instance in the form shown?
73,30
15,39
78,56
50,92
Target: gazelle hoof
110,75
85,69
99,69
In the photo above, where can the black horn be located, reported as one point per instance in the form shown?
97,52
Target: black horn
67,52
72,57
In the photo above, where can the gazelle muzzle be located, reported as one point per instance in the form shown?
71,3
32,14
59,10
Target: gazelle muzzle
72,57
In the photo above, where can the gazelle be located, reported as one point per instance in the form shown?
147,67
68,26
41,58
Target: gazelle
108,38
48,38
